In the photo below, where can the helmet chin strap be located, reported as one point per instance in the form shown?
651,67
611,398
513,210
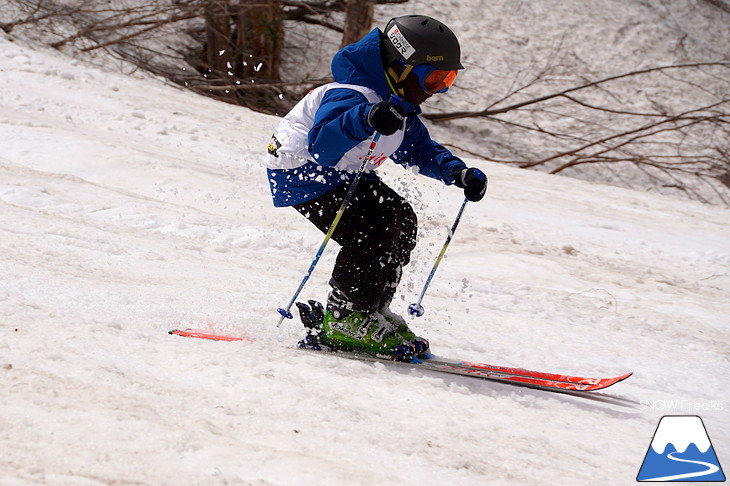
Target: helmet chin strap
395,81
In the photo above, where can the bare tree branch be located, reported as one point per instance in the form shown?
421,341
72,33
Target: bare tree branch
515,106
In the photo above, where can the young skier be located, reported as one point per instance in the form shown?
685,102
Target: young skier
317,148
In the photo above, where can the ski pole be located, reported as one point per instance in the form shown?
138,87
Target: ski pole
286,311
416,309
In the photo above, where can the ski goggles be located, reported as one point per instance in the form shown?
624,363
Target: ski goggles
434,80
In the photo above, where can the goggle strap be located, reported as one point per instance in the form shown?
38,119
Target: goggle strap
405,73
398,88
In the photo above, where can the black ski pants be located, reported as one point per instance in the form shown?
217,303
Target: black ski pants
377,233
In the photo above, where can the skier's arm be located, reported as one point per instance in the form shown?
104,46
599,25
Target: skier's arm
432,159
339,124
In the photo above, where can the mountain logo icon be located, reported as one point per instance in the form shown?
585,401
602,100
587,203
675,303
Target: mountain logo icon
680,451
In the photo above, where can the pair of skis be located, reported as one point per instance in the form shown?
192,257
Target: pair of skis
514,376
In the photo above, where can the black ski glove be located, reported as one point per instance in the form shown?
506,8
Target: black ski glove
386,118
473,181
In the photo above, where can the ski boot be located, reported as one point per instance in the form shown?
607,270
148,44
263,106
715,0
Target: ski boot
313,317
345,328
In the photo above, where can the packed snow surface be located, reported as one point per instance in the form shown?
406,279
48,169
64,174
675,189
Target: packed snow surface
129,207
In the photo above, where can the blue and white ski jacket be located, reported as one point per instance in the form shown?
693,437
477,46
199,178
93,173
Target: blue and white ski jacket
321,142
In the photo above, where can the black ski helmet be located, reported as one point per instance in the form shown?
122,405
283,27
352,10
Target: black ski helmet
418,39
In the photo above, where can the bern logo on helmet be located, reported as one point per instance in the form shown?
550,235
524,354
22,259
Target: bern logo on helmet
434,58
400,42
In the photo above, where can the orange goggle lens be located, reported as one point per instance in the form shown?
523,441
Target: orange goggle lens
439,81
434,80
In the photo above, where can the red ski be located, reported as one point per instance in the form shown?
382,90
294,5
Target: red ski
537,377
206,335
521,376
514,376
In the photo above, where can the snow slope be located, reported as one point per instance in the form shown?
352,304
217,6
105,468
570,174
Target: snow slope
129,207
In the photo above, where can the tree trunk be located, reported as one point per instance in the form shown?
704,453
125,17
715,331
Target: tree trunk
259,39
217,36
358,20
